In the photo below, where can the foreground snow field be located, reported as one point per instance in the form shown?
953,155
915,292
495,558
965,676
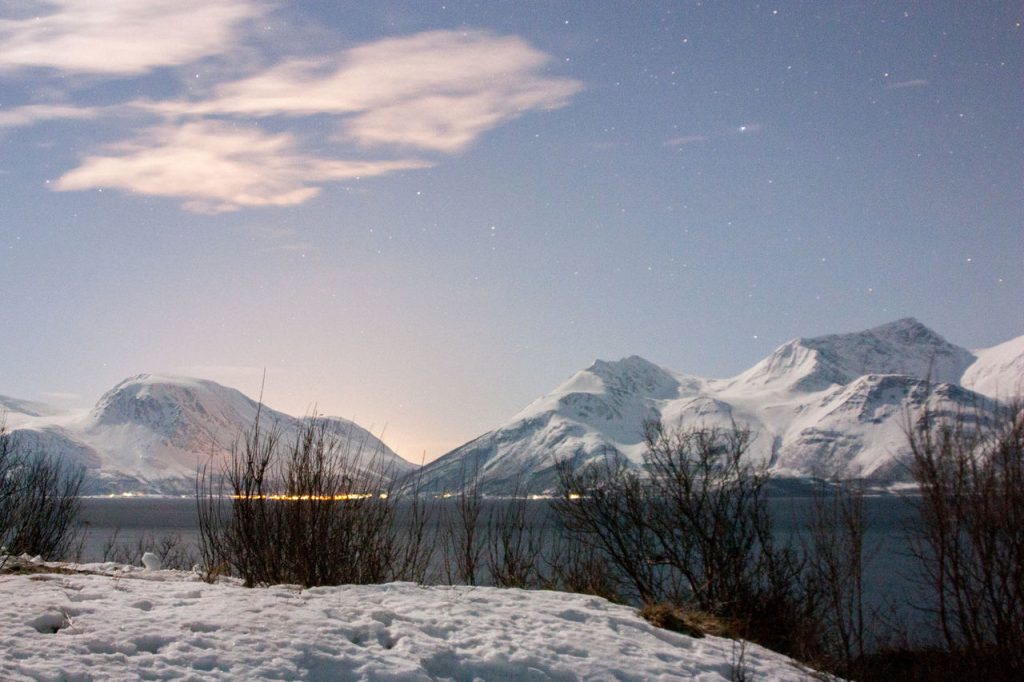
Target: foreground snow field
120,622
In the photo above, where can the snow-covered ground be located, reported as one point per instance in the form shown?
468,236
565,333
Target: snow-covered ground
118,622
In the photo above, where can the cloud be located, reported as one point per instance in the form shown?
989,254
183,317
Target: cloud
216,167
436,91
684,140
35,113
913,83
119,37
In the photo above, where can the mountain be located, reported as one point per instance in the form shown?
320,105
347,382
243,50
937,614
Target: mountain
599,409
999,371
904,347
859,430
827,406
832,405
150,432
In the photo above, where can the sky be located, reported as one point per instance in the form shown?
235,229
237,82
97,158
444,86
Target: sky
424,215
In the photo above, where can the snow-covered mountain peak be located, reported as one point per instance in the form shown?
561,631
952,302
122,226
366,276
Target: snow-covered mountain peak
906,328
904,347
150,379
635,375
611,382
794,364
631,363
156,385
155,400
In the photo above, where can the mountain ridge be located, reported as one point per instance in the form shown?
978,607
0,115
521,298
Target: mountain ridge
832,405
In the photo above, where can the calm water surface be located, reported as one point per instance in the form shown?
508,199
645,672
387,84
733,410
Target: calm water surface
133,518
889,572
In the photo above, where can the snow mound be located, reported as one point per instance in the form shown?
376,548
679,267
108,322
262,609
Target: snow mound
148,625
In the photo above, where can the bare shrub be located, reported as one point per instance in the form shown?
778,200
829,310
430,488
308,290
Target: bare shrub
572,565
462,543
418,534
834,588
710,515
9,488
738,666
970,468
691,527
515,541
316,511
39,502
606,506
172,550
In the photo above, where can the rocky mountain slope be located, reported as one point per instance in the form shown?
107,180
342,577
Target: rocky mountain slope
149,433
828,406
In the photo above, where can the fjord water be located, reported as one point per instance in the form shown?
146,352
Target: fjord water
130,519
891,520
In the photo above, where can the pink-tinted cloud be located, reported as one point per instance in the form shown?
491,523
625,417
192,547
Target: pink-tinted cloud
436,91
215,167
117,37
31,114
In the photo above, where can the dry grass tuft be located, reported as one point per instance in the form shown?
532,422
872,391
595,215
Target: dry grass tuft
693,623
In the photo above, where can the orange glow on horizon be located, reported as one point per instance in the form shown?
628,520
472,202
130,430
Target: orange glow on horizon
314,498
